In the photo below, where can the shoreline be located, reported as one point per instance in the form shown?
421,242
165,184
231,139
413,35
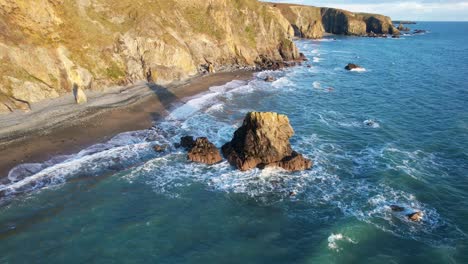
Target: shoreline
31,137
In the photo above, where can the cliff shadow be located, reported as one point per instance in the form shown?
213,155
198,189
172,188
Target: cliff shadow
166,98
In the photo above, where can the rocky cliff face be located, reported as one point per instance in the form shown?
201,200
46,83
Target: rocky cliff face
49,47
313,22
305,20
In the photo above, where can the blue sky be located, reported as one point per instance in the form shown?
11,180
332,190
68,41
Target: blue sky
420,10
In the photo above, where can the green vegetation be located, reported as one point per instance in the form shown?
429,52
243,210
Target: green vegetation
114,72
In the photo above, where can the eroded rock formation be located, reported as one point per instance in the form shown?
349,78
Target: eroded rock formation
201,150
263,140
313,22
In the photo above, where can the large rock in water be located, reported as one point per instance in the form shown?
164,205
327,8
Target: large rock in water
263,140
201,150
352,66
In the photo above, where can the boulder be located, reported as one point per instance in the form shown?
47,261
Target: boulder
203,151
80,96
269,79
415,216
160,148
295,162
302,57
263,140
351,66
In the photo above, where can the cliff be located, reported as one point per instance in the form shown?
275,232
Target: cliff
313,22
51,46
305,20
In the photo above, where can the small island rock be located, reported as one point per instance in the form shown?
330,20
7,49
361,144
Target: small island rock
416,216
262,141
352,66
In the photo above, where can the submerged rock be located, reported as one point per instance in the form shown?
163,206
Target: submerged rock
397,208
419,31
352,66
203,151
263,140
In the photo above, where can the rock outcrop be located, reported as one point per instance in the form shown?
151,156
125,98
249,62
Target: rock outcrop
403,28
201,150
263,140
44,50
415,216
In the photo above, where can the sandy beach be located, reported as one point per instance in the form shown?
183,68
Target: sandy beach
60,127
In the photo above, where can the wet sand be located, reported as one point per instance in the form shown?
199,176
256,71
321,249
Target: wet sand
60,127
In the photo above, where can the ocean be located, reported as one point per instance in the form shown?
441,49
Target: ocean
395,132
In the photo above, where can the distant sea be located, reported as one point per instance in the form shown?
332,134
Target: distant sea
394,133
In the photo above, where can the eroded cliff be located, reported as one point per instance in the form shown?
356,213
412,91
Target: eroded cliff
50,46
313,22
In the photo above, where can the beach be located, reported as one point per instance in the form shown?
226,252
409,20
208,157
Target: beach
60,126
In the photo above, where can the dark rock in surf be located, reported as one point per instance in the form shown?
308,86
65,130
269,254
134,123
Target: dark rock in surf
397,208
352,66
187,142
203,151
160,148
295,162
302,57
415,216
270,79
419,31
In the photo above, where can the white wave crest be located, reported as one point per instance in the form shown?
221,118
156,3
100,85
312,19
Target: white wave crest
317,85
359,70
334,239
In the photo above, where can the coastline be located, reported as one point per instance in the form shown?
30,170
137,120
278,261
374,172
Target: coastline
32,137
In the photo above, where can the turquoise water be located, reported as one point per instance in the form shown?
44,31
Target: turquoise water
121,202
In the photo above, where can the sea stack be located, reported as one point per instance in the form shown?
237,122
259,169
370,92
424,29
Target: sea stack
263,141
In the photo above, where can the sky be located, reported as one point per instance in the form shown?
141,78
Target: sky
417,10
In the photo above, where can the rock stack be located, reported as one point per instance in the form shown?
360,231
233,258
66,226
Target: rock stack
263,141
